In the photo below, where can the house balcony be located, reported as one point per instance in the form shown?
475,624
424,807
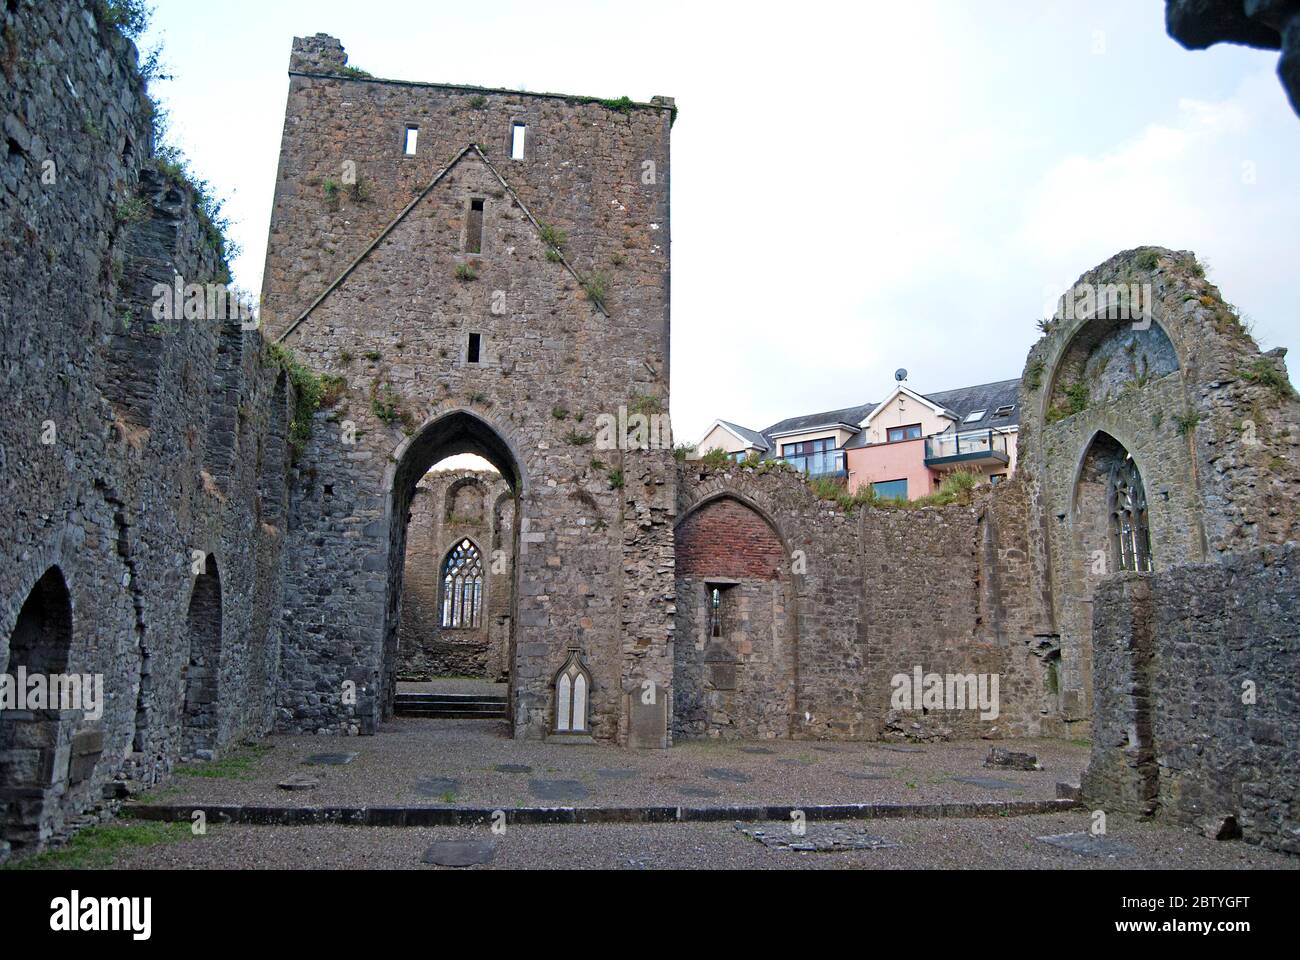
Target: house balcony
828,464
985,449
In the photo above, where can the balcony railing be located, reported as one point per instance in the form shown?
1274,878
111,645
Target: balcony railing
829,463
985,447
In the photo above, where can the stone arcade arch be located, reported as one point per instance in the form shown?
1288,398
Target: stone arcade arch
448,435
30,773
200,722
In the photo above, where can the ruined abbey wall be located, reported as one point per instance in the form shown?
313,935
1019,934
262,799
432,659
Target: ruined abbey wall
510,345
134,453
1198,720
810,646
1208,420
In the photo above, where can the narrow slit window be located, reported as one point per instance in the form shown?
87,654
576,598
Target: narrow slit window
475,347
518,141
412,140
474,228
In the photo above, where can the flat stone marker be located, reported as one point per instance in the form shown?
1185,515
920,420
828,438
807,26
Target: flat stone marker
616,774
794,762
299,784
757,751
460,853
731,776
892,748
1086,845
437,786
330,759
865,776
817,838
829,749
557,790
513,768
702,792
988,783
878,763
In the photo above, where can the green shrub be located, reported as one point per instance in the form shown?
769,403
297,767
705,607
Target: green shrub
1266,374
465,272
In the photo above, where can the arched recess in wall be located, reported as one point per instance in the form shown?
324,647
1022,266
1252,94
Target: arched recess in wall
1105,357
41,644
200,720
737,641
226,419
447,435
465,502
273,464
136,337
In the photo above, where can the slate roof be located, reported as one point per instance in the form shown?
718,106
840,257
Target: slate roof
753,437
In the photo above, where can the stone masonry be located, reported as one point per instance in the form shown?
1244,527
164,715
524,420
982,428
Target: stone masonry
237,529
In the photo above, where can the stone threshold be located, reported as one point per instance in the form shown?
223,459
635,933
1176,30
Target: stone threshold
534,816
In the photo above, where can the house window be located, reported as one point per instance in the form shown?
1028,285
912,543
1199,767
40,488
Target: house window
412,140
890,489
518,141
740,456
997,478
474,228
1006,411
808,448
462,588
475,348
910,432
572,696
976,416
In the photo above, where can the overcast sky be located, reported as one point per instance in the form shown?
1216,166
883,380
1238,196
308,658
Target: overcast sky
856,187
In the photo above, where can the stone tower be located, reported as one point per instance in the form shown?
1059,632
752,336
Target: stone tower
480,271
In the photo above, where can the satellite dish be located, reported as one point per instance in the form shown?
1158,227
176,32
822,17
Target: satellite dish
900,375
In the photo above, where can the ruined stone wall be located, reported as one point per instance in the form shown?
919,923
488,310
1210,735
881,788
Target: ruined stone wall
1196,678
554,352
1216,441
872,593
448,508
132,447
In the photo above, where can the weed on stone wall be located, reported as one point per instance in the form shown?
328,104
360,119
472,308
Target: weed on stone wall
311,392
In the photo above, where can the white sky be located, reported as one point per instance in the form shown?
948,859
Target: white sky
856,188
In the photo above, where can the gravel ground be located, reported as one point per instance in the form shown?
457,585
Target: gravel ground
923,844
440,762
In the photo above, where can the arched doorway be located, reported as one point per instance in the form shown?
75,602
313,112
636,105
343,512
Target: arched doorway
200,721
735,671
449,638
41,644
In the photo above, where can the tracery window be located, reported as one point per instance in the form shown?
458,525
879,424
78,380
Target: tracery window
462,588
1129,529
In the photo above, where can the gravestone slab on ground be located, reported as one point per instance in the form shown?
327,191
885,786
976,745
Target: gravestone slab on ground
330,759
731,776
616,774
437,786
816,838
1012,761
557,790
460,853
757,751
299,784
865,776
702,793
896,748
1086,845
513,768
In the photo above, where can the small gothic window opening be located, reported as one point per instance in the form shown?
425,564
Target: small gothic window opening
462,588
715,612
1130,532
518,141
573,696
474,228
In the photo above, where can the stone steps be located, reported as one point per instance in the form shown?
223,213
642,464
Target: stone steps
450,706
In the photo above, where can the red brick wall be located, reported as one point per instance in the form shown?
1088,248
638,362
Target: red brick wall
728,539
